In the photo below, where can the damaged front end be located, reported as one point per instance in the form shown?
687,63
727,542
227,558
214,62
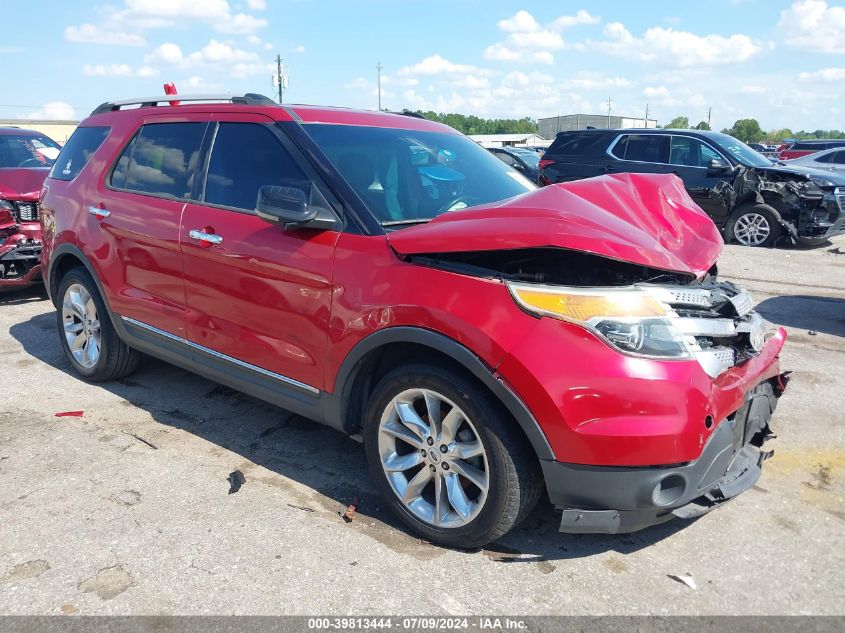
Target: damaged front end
20,244
810,208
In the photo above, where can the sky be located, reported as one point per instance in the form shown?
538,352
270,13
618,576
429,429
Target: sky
781,62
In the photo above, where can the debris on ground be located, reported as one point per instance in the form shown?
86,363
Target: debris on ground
303,508
236,479
685,580
70,414
142,440
349,514
812,332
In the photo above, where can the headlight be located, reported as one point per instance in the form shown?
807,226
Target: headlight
629,319
823,182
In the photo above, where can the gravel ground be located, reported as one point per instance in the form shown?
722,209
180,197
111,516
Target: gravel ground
126,510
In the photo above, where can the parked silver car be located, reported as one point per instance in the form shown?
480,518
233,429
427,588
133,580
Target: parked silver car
830,159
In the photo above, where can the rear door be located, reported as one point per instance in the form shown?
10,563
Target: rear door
258,295
138,209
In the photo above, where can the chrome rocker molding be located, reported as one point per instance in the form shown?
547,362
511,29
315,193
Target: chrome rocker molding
229,359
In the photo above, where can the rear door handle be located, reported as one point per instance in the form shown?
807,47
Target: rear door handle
98,212
208,238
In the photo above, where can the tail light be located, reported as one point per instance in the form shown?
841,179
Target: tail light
545,162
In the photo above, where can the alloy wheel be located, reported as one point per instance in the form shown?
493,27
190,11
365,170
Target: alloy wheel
81,325
433,458
751,229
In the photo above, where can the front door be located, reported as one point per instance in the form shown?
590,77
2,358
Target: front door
256,293
711,189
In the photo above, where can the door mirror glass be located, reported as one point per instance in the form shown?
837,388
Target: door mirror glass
717,164
299,205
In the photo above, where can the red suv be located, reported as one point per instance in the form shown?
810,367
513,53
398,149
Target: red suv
25,158
385,275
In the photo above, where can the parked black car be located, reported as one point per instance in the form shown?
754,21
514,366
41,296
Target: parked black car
525,160
753,200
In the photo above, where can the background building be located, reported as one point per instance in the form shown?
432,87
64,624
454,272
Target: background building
59,131
510,140
550,126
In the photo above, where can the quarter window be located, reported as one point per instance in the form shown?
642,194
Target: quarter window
245,157
161,160
77,152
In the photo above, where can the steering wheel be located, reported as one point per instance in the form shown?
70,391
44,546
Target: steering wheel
453,204
27,162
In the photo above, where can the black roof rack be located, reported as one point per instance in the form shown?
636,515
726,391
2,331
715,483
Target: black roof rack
416,115
249,98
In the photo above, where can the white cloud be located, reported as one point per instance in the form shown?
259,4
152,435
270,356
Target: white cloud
241,23
542,38
146,72
593,81
501,53
581,17
257,5
826,74
520,22
751,89
109,70
298,49
676,48
93,34
216,55
54,110
437,65
813,25
656,91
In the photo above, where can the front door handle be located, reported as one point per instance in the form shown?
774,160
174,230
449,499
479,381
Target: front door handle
208,239
98,212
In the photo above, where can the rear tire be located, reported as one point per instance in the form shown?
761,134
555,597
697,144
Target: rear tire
484,483
87,335
753,225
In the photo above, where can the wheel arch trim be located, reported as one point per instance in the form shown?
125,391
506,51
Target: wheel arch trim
447,346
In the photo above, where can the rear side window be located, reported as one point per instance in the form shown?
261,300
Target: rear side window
161,160
574,144
245,157
643,148
78,150
838,157
809,147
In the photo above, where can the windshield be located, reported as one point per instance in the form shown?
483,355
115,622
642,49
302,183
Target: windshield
408,177
743,154
26,150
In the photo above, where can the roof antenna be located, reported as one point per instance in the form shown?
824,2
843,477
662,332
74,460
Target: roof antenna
170,89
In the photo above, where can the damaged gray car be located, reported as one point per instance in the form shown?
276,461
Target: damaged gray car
753,201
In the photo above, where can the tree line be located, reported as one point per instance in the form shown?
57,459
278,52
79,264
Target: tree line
746,130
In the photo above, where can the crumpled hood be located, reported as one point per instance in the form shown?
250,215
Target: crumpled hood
645,219
22,183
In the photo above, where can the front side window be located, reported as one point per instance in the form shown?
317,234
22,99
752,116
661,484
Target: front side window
643,148
161,160
78,150
410,176
690,152
245,157
743,154
27,150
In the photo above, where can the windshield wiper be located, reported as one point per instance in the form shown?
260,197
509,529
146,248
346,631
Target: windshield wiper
409,221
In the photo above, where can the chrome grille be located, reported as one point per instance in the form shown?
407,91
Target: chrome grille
27,211
840,199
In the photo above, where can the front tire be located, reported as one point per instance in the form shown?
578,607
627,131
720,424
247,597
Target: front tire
447,458
753,225
88,338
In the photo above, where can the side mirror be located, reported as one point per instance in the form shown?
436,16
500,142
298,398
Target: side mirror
718,165
519,167
300,206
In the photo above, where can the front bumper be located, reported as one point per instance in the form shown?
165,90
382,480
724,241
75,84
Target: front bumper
19,262
610,500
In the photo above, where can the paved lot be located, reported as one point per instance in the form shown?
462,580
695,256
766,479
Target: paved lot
126,510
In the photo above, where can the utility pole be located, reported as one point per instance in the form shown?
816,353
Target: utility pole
379,68
646,115
279,78
608,113
708,116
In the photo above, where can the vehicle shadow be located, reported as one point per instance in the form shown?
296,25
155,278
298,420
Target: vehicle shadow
23,295
816,314
327,462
